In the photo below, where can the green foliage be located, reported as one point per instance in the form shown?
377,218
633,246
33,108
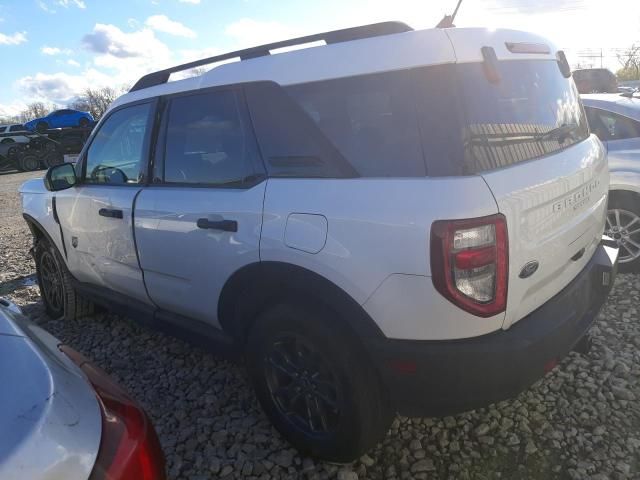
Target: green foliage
628,73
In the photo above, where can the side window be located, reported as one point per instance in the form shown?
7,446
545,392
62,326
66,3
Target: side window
16,128
208,140
611,126
370,119
117,154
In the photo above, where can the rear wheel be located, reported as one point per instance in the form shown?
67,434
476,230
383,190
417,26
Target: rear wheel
83,122
315,384
8,140
623,225
57,292
28,163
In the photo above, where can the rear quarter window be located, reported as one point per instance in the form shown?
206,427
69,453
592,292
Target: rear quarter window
371,120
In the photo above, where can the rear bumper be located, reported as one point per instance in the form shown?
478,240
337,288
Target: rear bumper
427,378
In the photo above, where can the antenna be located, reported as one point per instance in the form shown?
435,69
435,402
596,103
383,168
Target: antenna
447,20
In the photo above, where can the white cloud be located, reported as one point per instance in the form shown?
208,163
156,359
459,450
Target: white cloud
67,3
73,63
47,5
57,87
192,2
111,41
15,39
12,109
43,6
125,55
46,50
51,50
162,23
249,32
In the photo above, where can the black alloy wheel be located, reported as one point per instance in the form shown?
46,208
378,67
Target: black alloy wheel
302,386
51,282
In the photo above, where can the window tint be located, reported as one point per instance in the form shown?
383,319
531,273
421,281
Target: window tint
531,112
208,140
16,128
117,153
370,119
611,126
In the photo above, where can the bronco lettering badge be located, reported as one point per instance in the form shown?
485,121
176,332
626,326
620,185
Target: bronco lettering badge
577,198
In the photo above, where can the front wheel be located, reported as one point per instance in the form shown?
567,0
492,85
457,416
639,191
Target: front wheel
315,384
623,225
55,282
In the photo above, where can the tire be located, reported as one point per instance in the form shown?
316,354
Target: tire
623,225
83,122
360,416
55,282
28,163
8,140
42,127
12,151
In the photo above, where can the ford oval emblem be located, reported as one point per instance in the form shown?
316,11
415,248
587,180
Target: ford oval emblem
529,269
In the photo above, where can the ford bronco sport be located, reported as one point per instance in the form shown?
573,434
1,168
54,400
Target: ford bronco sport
395,221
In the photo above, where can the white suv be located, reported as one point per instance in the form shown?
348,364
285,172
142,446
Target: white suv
14,133
397,220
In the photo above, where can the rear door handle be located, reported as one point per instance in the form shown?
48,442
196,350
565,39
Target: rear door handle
110,213
225,225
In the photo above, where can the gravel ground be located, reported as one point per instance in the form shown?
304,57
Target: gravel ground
582,421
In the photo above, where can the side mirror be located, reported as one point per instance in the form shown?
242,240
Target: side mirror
60,177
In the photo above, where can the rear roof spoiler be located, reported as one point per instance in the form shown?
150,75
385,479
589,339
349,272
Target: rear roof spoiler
335,36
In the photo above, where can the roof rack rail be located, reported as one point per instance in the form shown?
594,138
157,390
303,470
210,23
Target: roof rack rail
335,36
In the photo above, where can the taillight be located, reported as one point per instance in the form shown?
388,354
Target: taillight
129,446
470,263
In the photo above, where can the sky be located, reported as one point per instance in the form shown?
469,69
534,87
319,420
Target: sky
51,50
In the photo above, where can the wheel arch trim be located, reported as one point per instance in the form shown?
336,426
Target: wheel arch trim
256,285
36,229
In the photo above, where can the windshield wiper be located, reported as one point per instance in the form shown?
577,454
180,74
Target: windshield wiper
559,133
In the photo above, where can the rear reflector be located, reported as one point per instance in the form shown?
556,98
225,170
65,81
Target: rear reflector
550,365
129,446
524,47
469,263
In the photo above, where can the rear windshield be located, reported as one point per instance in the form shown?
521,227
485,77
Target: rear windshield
531,112
443,120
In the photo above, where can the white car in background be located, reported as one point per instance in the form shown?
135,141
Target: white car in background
615,119
14,134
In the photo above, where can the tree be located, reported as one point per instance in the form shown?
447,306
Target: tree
630,63
35,110
96,101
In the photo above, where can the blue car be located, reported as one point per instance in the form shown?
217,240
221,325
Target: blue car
60,119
